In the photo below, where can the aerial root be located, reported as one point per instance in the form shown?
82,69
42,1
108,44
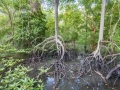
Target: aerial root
58,65
52,40
59,72
95,62
90,63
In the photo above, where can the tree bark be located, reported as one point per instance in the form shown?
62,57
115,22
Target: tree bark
102,21
56,2
101,27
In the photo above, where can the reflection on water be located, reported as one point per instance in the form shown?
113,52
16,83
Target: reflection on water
88,82
50,82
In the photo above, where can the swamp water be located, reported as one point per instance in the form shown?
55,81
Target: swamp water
87,82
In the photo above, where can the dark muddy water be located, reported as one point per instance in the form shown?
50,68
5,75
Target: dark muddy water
87,82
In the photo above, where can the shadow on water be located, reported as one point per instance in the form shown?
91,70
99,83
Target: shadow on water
87,82
71,82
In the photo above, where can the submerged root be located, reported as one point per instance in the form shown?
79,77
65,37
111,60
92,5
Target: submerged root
59,72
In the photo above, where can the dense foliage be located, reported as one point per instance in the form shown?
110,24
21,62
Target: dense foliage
25,23
78,21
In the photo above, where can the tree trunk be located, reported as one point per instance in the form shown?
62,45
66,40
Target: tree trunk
101,27
56,2
102,21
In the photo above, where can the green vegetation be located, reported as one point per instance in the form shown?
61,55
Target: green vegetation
17,79
26,23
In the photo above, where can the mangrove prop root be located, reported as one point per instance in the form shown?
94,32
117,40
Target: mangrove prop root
95,60
59,66
59,44
101,76
112,70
